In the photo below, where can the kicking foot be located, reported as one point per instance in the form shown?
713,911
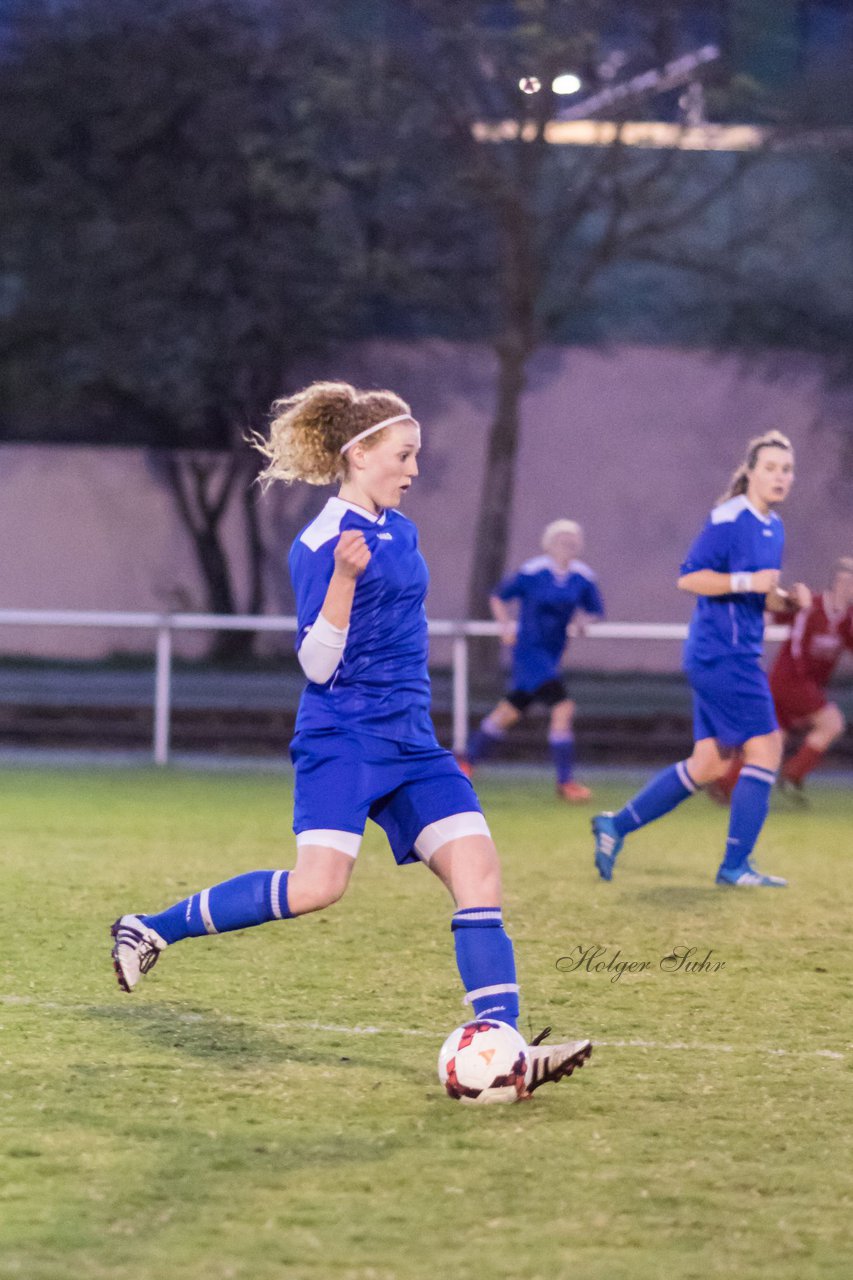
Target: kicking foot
608,842
573,792
136,950
746,877
547,1064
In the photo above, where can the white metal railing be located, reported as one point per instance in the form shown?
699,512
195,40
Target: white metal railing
164,624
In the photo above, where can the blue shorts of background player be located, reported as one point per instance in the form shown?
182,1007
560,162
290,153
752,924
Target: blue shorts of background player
732,568
731,701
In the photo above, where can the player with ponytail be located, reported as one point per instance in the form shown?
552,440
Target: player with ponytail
364,745
733,570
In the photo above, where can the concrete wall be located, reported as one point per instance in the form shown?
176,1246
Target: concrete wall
635,443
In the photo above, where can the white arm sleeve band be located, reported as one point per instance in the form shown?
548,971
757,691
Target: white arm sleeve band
741,582
322,649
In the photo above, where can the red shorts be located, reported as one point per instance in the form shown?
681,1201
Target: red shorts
796,700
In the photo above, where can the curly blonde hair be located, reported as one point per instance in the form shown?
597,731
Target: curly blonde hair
739,482
309,429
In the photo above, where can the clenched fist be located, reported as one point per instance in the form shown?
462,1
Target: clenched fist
352,555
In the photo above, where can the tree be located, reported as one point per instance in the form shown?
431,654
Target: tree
514,238
169,249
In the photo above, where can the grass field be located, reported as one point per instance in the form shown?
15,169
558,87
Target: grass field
266,1105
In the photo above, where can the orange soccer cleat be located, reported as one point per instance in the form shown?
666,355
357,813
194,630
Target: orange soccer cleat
573,792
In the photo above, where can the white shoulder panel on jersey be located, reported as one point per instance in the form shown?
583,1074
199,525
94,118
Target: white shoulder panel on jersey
728,511
324,526
537,564
578,566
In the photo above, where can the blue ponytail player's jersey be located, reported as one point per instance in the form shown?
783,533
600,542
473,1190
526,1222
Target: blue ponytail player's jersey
736,539
381,686
547,602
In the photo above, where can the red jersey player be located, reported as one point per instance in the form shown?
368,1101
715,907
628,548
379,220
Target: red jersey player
803,668
800,675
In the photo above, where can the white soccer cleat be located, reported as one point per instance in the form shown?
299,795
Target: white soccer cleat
136,950
548,1063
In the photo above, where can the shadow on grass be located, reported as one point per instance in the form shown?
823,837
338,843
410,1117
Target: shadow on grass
685,897
228,1041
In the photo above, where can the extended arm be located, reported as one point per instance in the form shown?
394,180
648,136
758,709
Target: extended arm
708,582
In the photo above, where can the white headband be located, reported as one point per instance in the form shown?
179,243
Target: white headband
386,422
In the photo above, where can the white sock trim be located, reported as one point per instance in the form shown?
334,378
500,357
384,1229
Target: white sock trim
274,887
491,991
436,834
347,842
488,913
204,908
760,775
684,777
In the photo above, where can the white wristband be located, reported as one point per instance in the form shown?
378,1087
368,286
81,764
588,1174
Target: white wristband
741,582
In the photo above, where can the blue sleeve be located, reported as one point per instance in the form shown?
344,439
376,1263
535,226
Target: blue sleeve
591,600
710,550
310,572
511,588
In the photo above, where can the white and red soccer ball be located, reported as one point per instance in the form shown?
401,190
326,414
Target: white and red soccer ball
484,1061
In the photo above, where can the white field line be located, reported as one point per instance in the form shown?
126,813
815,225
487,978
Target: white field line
677,1046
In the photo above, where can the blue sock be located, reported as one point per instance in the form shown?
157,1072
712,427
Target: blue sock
250,899
483,741
563,754
750,803
663,793
486,963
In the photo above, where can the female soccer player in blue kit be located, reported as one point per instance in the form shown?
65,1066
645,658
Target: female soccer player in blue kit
364,744
733,570
549,589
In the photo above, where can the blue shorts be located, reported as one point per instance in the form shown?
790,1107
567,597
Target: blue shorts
731,701
343,779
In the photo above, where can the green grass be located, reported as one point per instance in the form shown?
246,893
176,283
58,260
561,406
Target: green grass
225,1121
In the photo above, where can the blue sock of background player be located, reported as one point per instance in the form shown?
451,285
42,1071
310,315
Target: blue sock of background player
750,805
562,745
666,790
483,741
484,952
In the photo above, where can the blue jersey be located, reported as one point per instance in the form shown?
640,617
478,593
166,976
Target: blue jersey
381,686
736,539
547,602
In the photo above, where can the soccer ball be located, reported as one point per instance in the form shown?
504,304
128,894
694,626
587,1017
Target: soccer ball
483,1061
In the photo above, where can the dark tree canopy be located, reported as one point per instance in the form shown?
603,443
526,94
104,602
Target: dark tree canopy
220,188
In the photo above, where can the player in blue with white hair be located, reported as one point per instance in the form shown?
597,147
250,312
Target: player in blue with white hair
364,745
550,589
733,570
